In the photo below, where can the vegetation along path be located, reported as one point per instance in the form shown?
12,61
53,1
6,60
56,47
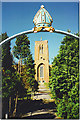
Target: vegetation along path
41,105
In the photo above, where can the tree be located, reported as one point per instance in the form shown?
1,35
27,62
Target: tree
22,48
11,80
22,51
6,68
29,74
6,55
64,82
12,88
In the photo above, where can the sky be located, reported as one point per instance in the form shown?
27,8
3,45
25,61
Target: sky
18,17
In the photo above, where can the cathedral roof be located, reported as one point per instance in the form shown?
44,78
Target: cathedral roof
42,18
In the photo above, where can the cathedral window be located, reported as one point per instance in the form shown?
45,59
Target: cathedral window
39,49
42,49
41,71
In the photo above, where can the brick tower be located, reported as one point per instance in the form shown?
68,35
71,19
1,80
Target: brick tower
41,61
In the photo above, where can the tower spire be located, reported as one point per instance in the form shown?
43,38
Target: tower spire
41,38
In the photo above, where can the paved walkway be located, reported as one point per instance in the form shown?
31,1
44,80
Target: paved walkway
44,93
41,106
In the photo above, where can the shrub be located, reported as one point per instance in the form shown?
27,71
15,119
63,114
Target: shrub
64,80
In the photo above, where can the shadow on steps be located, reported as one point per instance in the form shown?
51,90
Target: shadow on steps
26,106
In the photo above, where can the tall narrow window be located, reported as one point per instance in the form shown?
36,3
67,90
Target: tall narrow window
41,71
42,49
39,49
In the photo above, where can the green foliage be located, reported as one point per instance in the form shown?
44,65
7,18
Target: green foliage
64,81
6,66
6,55
30,73
11,80
22,51
11,83
22,48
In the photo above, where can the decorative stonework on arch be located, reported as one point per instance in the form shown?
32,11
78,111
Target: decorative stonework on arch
42,18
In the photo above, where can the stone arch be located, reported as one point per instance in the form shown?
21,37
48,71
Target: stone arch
40,72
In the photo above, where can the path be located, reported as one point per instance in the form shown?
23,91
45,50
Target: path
44,93
41,107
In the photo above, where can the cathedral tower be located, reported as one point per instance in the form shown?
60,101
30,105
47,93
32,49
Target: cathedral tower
41,61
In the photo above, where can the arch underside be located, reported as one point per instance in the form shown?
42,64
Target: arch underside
32,31
40,72
44,76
